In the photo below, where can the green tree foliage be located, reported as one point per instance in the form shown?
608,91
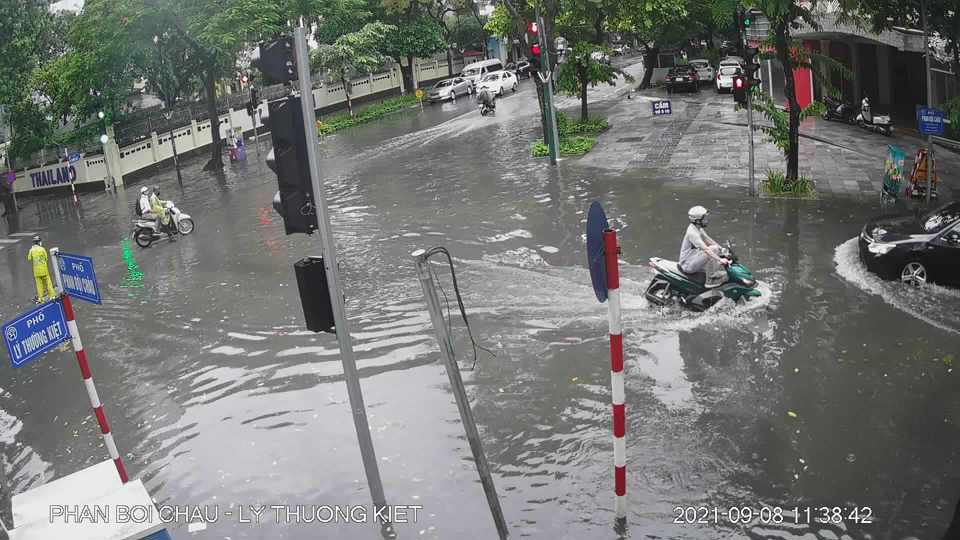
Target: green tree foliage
501,23
418,38
582,70
352,54
654,24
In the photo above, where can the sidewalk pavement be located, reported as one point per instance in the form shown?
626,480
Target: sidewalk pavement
705,140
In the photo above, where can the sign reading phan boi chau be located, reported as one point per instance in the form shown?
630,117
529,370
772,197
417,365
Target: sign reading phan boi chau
79,279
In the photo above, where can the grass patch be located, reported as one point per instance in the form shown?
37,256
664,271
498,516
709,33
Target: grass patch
776,184
374,112
576,138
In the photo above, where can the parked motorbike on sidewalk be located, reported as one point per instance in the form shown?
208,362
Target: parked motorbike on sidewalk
878,123
670,284
839,110
148,231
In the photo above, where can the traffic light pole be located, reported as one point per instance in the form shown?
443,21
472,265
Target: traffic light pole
347,358
753,185
552,138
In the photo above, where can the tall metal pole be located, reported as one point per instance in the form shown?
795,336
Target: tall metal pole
459,392
553,140
926,57
350,374
753,185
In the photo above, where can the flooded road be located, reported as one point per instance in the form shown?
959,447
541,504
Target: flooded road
835,390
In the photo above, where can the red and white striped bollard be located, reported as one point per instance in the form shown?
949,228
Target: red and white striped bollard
87,375
611,252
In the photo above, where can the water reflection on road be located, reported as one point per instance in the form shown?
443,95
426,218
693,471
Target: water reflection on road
828,392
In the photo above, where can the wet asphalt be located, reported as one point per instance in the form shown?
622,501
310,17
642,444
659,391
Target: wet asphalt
835,389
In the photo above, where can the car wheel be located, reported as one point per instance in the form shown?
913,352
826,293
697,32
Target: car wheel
514,87
500,92
914,273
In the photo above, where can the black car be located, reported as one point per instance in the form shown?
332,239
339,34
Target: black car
682,77
521,69
915,248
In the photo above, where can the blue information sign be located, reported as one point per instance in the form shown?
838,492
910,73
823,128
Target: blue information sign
35,332
74,157
661,107
78,277
930,121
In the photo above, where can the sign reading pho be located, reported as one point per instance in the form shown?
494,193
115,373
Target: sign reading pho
78,277
930,121
36,332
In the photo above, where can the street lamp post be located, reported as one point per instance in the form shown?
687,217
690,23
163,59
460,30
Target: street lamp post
926,57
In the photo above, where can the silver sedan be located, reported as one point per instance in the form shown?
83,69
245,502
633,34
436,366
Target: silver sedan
449,89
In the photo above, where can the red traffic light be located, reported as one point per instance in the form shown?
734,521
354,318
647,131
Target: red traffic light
535,50
532,27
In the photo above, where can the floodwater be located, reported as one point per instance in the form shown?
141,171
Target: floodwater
833,390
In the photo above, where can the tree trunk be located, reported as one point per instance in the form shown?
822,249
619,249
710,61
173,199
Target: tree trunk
216,150
649,62
449,63
598,29
408,75
782,40
346,92
582,75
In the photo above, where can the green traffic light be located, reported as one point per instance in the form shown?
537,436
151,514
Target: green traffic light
746,21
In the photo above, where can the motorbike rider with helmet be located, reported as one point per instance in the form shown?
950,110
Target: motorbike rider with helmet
699,254
486,99
157,207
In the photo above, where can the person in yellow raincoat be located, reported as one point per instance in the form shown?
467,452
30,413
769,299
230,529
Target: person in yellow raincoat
157,207
41,274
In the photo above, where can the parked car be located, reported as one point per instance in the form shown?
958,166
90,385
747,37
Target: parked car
477,70
682,77
600,56
449,89
725,76
915,248
521,69
497,82
705,71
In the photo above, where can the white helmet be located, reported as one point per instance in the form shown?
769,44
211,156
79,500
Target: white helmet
143,190
698,215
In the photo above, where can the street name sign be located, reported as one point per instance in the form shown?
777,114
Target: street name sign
34,333
78,277
74,157
930,121
662,107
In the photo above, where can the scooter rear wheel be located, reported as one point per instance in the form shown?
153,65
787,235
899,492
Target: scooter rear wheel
143,237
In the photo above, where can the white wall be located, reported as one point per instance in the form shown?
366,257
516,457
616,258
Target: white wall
157,147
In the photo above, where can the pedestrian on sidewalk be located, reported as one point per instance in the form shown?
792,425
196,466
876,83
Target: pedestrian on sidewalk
6,197
41,273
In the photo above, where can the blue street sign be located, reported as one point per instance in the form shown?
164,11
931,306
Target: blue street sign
74,157
79,279
930,121
661,107
35,332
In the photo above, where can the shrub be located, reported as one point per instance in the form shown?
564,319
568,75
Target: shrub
567,127
776,184
571,146
952,111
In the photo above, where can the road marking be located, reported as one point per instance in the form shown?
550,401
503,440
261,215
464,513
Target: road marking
23,234
8,241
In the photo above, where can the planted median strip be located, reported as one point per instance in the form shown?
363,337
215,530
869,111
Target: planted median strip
576,138
374,112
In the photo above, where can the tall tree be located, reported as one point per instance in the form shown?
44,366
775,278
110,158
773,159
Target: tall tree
582,69
652,23
418,37
352,54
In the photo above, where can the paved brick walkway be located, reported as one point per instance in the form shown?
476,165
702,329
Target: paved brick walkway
704,140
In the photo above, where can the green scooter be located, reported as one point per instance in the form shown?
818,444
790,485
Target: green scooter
671,284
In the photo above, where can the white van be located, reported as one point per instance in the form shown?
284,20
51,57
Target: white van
475,71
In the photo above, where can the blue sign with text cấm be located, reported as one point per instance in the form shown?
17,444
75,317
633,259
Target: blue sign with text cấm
662,107
35,332
930,121
79,279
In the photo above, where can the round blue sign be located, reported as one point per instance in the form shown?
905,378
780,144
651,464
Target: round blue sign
596,224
